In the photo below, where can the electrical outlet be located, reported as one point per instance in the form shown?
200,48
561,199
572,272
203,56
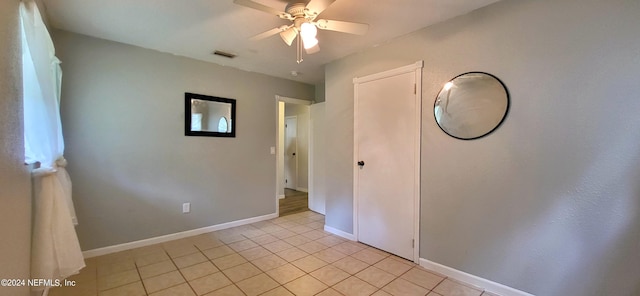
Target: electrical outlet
186,207
273,150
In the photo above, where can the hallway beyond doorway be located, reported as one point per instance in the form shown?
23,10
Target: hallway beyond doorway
294,202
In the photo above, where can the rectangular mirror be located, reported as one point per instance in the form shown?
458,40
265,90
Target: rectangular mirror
209,116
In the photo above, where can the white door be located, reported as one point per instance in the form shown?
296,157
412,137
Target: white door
387,151
290,151
317,190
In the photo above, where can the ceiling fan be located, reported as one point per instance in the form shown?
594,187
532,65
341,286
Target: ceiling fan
304,24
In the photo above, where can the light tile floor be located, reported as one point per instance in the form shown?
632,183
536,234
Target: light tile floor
290,255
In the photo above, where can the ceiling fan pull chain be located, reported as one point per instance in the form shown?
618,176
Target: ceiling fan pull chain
299,60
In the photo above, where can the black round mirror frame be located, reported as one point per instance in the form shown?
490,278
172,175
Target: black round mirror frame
504,116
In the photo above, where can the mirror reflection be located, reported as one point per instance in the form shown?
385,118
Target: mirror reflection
209,116
471,105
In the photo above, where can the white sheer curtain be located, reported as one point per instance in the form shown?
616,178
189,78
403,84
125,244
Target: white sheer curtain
55,250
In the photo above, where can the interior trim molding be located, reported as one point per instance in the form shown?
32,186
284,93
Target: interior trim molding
302,189
393,72
339,233
293,100
281,196
173,236
479,282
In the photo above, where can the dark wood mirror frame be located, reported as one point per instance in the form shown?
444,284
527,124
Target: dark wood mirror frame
190,103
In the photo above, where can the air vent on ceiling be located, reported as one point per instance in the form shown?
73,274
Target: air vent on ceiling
224,54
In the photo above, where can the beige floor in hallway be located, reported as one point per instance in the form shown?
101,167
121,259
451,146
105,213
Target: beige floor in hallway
289,255
294,202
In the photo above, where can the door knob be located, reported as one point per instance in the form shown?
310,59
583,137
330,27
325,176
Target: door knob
361,163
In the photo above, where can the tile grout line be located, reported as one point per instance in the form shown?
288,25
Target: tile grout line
265,272
220,271
144,287
180,272
249,261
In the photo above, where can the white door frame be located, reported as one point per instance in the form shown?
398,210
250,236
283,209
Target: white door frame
280,174
417,69
296,152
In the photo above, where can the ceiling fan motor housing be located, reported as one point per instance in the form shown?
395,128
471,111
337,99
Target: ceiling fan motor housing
296,9
298,13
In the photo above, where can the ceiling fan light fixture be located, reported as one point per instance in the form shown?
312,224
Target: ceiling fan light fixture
289,35
308,30
309,42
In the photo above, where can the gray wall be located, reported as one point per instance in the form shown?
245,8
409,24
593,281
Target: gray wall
550,202
131,165
320,93
15,182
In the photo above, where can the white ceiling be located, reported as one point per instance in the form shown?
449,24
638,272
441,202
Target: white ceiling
195,28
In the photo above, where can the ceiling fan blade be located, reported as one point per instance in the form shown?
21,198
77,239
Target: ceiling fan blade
258,6
344,27
318,6
269,33
312,50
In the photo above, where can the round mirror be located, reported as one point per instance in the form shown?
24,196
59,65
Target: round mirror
471,105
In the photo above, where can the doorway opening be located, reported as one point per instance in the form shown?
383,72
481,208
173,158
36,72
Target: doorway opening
293,161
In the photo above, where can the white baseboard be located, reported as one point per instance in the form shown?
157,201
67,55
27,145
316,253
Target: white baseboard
281,196
302,189
173,236
339,233
462,276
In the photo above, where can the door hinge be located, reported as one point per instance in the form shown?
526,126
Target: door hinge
415,88
413,243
